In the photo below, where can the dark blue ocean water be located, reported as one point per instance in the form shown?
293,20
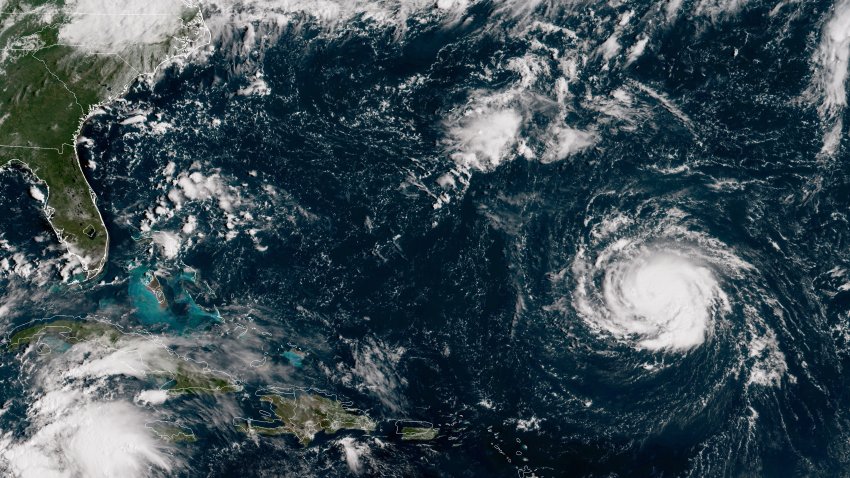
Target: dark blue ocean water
469,316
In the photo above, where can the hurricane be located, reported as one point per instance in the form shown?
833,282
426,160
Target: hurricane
493,238
661,296
666,298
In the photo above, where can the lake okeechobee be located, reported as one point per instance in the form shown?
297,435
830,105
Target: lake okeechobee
574,238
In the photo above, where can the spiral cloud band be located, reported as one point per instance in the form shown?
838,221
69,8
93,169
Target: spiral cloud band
657,291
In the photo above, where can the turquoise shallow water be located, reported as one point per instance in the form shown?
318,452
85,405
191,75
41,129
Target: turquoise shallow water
483,302
295,358
179,312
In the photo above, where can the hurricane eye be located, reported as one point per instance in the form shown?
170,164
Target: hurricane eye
659,300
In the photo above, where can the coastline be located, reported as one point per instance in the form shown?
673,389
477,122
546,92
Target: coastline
94,266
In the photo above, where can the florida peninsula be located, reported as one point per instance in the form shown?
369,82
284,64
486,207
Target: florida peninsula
59,61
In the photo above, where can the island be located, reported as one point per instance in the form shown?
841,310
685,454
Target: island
304,415
60,60
172,432
155,287
180,378
69,331
418,433
190,381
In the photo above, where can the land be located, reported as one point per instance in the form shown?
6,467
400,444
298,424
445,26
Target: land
305,415
301,413
58,64
418,433
70,331
185,380
171,432
155,288
200,382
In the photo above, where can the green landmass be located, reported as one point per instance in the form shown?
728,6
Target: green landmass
419,433
47,90
70,331
305,415
172,433
185,381
200,382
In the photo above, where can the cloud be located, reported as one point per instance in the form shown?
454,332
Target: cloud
482,138
375,371
76,425
168,242
831,61
567,141
353,452
81,436
114,24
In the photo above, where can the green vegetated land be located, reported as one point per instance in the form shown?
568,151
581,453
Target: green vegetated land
48,88
198,382
305,415
183,379
302,414
71,331
418,433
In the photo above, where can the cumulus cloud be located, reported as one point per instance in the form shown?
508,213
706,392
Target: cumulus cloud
37,270
672,9
77,429
199,187
483,138
567,141
717,8
770,365
353,453
152,397
637,50
114,24
374,371
831,61
134,358
37,194
257,87
79,436
168,242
